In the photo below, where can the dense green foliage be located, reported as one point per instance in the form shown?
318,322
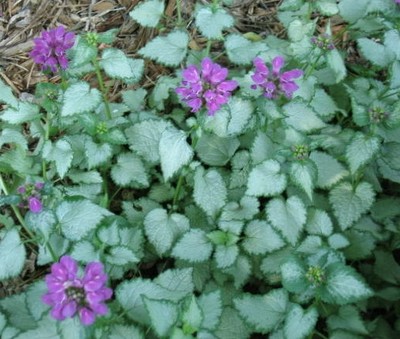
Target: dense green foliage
272,216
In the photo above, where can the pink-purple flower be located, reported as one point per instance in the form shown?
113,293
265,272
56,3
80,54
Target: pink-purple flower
397,1
50,48
68,294
274,82
206,86
31,196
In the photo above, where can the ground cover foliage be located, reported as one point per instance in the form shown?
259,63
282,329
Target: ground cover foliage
249,193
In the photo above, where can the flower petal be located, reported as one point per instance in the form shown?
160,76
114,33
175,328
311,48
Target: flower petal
35,205
69,309
292,74
86,316
70,264
277,64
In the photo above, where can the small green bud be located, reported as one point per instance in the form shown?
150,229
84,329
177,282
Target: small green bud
377,115
315,275
300,152
92,38
101,128
51,94
188,329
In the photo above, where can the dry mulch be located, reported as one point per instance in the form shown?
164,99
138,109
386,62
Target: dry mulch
23,20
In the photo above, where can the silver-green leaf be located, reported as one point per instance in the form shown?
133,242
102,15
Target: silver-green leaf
162,229
175,152
128,170
197,239
301,117
231,119
242,51
288,217
169,50
144,138
12,254
344,285
210,192
361,150
80,98
163,315
78,218
349,202
266,179
304,175
148,13
117,65
299,323
212,22
330,171
264,312
61,153
261,238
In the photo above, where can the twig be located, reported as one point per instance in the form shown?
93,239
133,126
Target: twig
87,25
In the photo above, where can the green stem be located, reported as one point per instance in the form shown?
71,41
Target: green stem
195,139
102,87
44,170
21,220
312,67
388,95
115,193
179,12
64,81
320,335
52,253
106,200
208,47
46,137
177,191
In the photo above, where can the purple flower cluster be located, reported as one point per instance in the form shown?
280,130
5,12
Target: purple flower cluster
50,49
31,196
397,1
68,294
323,41
207,85
275,83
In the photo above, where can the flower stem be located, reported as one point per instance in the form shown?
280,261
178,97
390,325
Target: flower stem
21,220
64,81
208,47
312,66
102,87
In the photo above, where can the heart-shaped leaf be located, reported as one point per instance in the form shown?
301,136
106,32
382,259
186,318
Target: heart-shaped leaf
350,203
300,323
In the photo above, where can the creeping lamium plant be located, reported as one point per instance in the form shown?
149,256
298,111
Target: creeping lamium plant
251,191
